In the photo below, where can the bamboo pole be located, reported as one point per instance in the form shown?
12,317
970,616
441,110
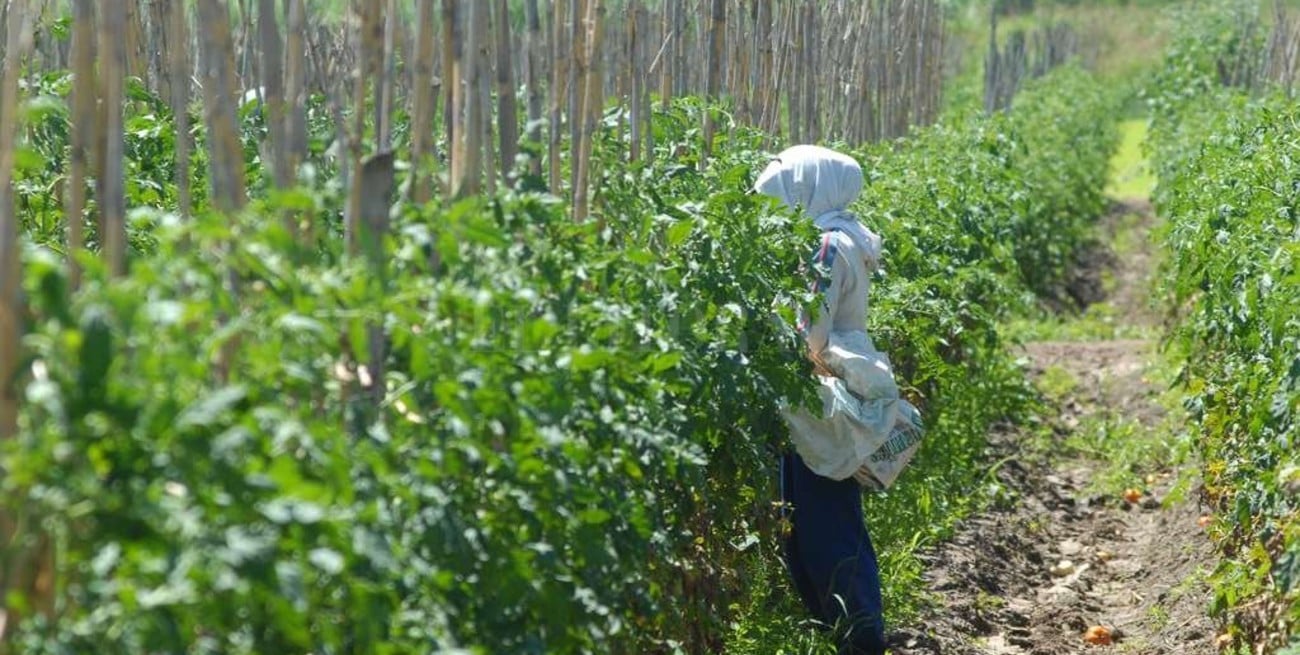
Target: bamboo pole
226,172
451,53
592,104
577,85
83,124
226,169
178,64
507,111
797,61
295,86
424,99
111,195
368,68
717,30
637,78
558,91
17,571
619,67
811,131
243,49
467,156
383,67
670,49
533,85
764,76
17,40
273,81
134,59
483,91
157,48
866,117
835,93
647,111
681,49
740,75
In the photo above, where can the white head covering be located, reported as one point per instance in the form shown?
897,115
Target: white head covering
822,183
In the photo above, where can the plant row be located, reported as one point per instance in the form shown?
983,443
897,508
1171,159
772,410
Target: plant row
1229,189
507,432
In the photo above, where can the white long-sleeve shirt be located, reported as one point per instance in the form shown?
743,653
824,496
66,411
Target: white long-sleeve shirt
864,429
842,277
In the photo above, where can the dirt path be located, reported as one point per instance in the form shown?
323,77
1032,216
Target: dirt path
1069,554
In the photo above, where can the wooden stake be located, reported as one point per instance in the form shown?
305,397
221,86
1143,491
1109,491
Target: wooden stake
83,125
17,572
507,111
577,86
647,112
383,70
295,87
467,156
533,84
670,49
111,177
558,91
592,106
226,156
717,29
178,65
18,40
638,76
452,46
273,81
370,38
483,91
424,99
133,49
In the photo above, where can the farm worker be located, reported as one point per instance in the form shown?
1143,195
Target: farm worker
828,552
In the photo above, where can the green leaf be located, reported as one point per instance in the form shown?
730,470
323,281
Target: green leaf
96,349
294,322
679,232
664,361
421,367
212,407
587,359
594,516
327,560
28,161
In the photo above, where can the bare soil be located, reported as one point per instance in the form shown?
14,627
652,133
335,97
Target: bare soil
1031,578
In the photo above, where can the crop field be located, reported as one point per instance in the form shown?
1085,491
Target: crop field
393,326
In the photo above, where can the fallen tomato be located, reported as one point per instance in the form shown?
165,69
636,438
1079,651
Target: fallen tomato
1098,635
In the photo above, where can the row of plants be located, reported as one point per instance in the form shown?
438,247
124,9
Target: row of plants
1229,187
509,432
978,213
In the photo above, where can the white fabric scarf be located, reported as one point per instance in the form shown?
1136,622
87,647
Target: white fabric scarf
822,183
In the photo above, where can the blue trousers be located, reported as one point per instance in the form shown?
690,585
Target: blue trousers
830,556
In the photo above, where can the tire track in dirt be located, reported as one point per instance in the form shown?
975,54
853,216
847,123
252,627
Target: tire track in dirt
1031,577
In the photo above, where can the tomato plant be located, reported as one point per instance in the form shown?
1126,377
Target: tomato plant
1229,187
571,443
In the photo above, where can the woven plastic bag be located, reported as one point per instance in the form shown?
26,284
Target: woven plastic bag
883,466
865,430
